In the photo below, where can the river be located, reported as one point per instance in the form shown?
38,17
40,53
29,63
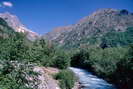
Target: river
90,81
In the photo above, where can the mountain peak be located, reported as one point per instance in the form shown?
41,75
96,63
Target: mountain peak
110,11
105,10
14,22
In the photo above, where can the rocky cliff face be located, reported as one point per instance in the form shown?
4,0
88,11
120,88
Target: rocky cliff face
97,24
14,22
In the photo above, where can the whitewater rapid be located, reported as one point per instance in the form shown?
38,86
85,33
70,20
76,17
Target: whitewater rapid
90,81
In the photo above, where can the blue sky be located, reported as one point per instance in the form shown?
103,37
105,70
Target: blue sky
42,16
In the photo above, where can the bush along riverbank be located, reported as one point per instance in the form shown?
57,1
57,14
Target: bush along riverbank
113,64
66,79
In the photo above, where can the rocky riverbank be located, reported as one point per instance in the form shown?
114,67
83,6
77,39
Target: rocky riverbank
46,79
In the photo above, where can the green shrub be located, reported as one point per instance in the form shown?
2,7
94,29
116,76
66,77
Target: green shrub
123,74
67,79
104,62
61,60
81,58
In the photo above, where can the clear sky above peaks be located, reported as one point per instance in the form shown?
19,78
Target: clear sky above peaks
42,16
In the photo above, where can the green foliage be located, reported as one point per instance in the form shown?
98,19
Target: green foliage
3,22
13,75
66,78
81,58
13,48
17,48
123,74
101,59
61,60
124,12
41,53
5,30
113,38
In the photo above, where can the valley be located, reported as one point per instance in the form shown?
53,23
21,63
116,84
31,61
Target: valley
101,43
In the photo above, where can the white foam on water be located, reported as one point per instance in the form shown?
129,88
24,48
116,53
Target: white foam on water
90,81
